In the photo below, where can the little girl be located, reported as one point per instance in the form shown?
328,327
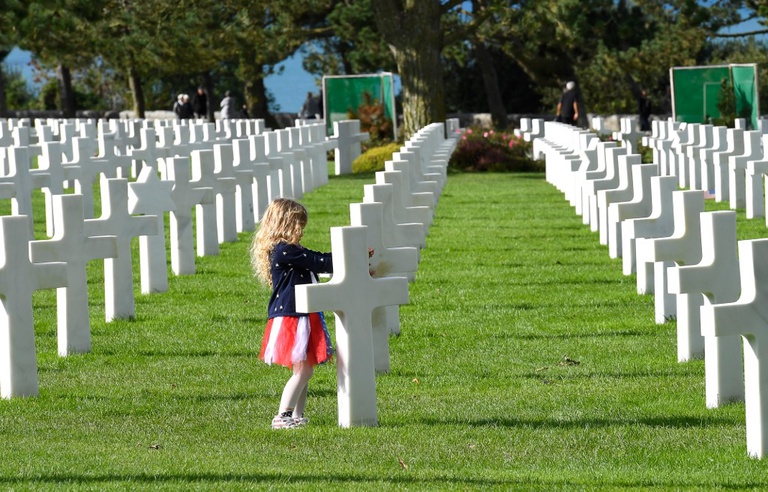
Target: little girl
295,340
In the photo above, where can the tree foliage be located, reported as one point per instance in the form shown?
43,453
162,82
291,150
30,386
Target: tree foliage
451,55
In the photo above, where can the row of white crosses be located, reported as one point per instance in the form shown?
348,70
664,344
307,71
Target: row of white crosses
393,220
231,175
685,256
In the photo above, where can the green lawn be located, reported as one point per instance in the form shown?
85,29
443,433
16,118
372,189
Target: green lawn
526,361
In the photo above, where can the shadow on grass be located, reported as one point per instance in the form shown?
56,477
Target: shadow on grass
292,479
681,422
569,336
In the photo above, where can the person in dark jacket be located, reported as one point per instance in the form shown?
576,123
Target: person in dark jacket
567,108
200,104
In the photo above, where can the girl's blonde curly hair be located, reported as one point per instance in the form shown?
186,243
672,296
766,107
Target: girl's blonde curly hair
284,221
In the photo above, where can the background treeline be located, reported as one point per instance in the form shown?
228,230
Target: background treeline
493,56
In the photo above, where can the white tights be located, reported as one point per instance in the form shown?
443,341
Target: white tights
295,392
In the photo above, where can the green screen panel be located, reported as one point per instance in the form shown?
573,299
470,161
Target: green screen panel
344,95
745,90
696,92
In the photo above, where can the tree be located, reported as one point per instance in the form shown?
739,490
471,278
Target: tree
413,30
10,16
351,43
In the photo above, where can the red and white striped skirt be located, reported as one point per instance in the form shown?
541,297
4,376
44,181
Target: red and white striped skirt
291,339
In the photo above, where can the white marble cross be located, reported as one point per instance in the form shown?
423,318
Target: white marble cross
352,294
22,181
694,155
748,317
411,185
244,170
735,139
623,191
293,163
639,206
83,150
683,248
719,144
280,178
151,196
116,221
228,206
404,212
628,134
610,182
302,159
401,234
206,214
71,246
348,137
50,161
262,175
716,277
660,223
386,261
755,176
19,278
737,165
148,152
185,196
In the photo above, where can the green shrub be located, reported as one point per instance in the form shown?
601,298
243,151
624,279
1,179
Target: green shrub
373,159
489,150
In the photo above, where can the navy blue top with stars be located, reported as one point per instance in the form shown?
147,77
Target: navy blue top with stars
293,265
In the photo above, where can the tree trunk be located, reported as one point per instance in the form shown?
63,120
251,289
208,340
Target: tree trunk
208,84
491,84
3,98
254,90
66,94
413,31
134,81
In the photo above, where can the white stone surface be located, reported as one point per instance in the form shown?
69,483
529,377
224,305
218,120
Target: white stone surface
206,215
737,165
387,261
640,205
622,192
348,137
400,234
226,201
682,248
352,294
148,195
19,278
116,221
404,213
735,140
71,246
716,278
747,317
185,196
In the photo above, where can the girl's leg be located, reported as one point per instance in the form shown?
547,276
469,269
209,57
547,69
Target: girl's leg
296,385
298,410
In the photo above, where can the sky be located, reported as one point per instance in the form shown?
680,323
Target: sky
289,88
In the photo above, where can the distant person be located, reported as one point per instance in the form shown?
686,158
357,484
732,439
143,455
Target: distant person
186,112
311,109
200,104
567,109
245,111
177,105
182,107
644,109
296,340
229,109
